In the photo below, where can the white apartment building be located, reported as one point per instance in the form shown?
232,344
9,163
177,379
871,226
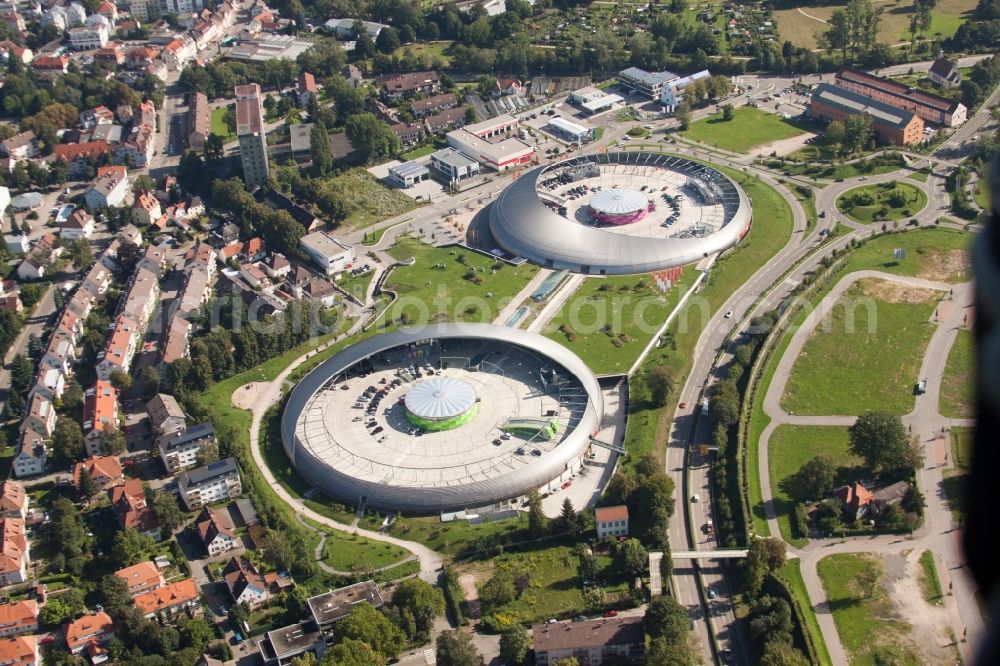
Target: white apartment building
250,132
211,483
180,449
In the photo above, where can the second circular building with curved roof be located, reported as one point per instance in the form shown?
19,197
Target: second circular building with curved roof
620,213
443,418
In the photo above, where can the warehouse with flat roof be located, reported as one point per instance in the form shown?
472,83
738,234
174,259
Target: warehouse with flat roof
594,100
568,130
408,174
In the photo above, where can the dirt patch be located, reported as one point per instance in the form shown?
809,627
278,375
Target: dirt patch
929,626
468,582
944,266
895,292
246,395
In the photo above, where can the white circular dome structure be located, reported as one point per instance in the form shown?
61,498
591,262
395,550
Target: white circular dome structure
619,206
440,403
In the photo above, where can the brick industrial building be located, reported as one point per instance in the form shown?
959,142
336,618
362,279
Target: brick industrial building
931,108
891,125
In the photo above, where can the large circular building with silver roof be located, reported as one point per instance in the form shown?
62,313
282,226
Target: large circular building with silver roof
443,418
585,214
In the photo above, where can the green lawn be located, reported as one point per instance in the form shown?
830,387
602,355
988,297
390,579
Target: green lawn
921,175
771,229
639,132
749,127
865,355
451,538
428,52
608,321
419,152
370,200
435,288
347,552
789,449
881,208
933,254
955,480
930,584
862,610
957,389
219,124
791,572
981,194
357,286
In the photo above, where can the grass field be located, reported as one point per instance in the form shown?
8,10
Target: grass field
930,253
791,571
882,209
862,610
347,552
771,230
429,52
419,152
955,480
790,448
957,390
357,286
555,589
981,194
921,175
435,288
934,254
930,584
609,321
371,201
808,167
219,124
749,127
868,361
801,30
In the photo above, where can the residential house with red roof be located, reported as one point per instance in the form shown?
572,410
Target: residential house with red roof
119,349
170,600
611,521
91,628
142,578
13,500
128,501
100,414
20,651
18,617
216,531
14,552
245,584
105,471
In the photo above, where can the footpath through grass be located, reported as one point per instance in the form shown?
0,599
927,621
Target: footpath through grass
608,321
957,389
865,355
441,284
749,127
862,610
933,253
771,230
790,448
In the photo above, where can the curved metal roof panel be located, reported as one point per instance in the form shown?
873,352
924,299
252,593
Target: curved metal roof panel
434,499
522,225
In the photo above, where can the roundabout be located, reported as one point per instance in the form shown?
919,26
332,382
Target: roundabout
886,201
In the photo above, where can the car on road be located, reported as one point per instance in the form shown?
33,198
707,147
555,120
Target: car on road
683,405
695,498
611,613
729,314
711,593
727,656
